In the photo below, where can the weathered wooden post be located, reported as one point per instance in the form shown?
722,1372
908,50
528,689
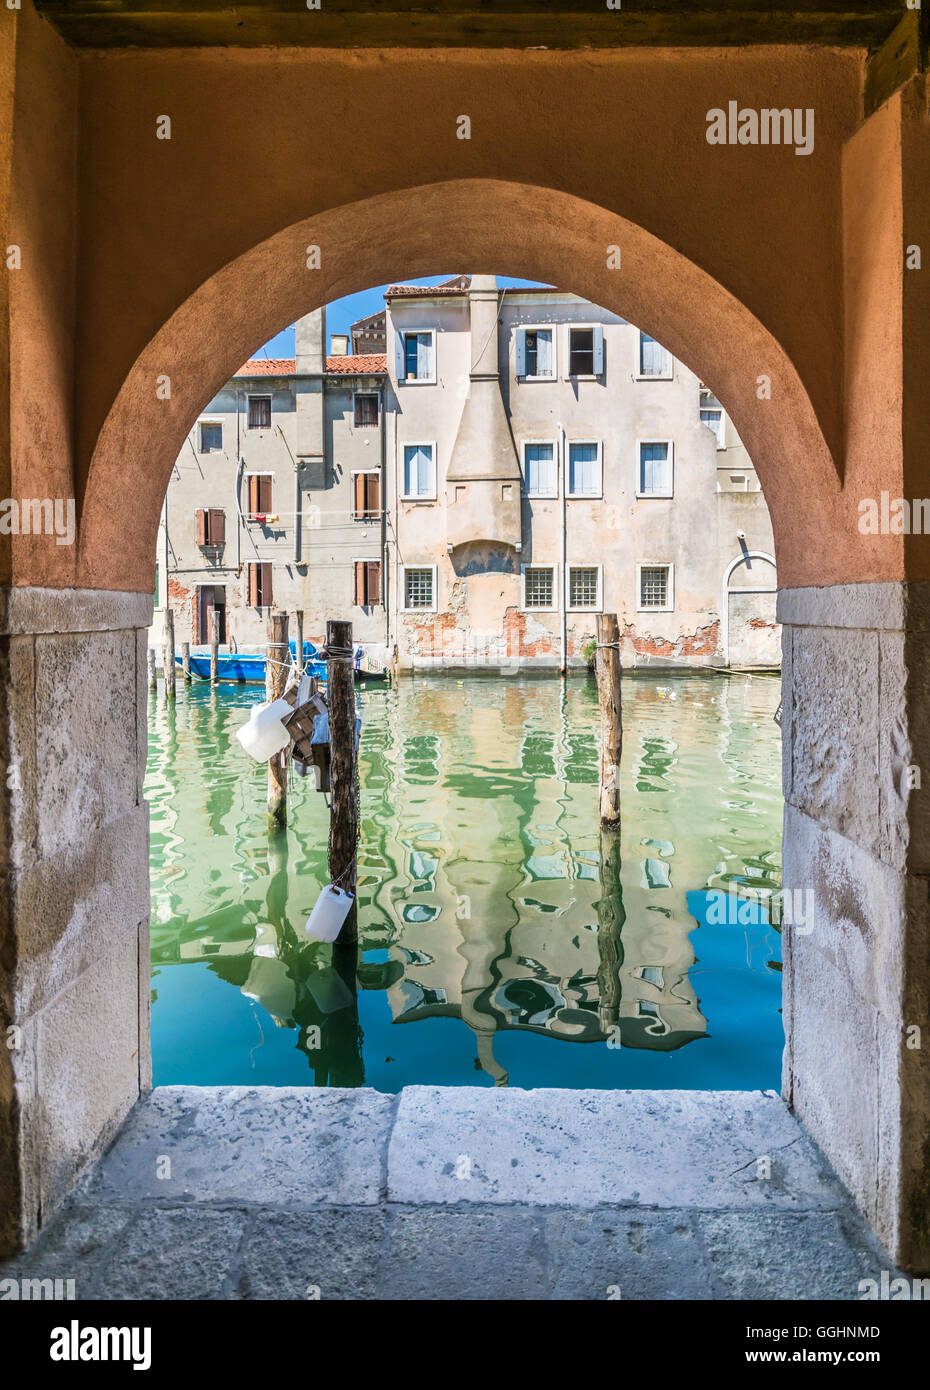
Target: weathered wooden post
169,671
607,667
300,640
214,647
343,771
153,679
610,920
186,661
276,663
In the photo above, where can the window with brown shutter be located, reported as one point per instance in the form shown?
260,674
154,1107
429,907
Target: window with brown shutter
216,526
373,568
366,409
211,526
367,497
259,412
260,494
260,594
367,582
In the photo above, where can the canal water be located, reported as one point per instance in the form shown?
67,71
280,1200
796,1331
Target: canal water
504,941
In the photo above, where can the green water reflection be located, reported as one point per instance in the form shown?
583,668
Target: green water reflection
513,942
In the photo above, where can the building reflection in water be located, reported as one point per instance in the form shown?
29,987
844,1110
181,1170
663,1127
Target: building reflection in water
487,893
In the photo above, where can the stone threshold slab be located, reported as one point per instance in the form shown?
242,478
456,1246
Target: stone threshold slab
548,1147
300,1147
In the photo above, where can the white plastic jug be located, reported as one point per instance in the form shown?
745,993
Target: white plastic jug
264,734
329,912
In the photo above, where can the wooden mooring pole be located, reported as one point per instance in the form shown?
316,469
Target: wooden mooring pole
343,769
300,639
169,671
153,679
275,681
186,661
607,666
214,647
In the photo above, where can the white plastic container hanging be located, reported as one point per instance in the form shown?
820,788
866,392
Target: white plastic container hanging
329,912
265,735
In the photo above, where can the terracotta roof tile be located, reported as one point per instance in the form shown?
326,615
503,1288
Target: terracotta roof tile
457,285
267,366
361,364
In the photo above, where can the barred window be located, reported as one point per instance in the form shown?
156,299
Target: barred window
583,587
418,588
654,586
538,586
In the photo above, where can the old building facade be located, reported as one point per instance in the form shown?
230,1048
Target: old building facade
509,464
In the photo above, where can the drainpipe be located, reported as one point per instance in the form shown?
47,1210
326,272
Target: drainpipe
297,515
563,573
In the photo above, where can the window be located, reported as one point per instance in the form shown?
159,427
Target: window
584,470
366,409
584,587
211,438
655,468
653,358
416,356
539,587
713,419
586,351
367,582
260,595
539,470
420,587
259,496
259,412
211,526
535,352
367,496
419,470
656,589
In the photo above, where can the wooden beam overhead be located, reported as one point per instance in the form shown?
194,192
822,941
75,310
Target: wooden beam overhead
471,23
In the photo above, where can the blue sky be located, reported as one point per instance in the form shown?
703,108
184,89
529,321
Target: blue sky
343,312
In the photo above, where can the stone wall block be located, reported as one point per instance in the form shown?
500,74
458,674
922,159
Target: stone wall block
86,733
834,719
18,786
74,904
895,753
145,1006
787,710
19,1159
88,1066
142,710
838,1101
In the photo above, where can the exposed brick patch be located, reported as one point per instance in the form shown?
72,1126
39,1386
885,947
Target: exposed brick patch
703,642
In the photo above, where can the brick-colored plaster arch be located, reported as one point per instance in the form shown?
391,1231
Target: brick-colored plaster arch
474,225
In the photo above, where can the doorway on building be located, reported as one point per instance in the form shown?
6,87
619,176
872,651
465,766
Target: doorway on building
210,598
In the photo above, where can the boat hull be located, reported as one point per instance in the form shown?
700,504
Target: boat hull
250,668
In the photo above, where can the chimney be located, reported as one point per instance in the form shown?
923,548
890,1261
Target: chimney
339,345
483,499
309,343
309,349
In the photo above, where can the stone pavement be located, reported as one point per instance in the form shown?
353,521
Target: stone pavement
457,1192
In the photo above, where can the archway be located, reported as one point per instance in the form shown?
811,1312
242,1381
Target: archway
483,224
420,231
